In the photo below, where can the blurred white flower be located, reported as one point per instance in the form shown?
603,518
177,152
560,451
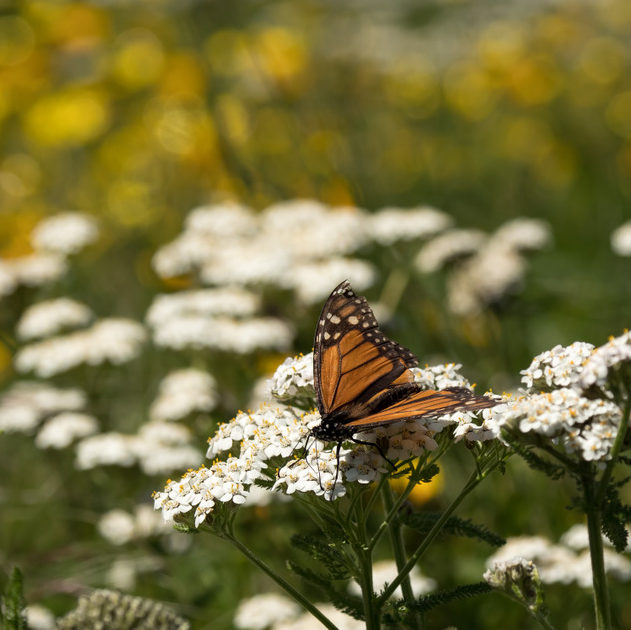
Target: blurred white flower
8,280
621,240
222,220
106,449
122,575
389,225
36,269
117,527
524,234
385,571
208,302
264,610
113,340
39,618
47,318
485,278
25,404
559,367
223,333
65,233
558,563
182,392
447,247
64,428
312,281
307,621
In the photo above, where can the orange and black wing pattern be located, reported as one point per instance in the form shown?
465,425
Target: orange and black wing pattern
363,379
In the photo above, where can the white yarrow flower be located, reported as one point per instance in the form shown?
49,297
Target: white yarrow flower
262,611
183,392
64,428
615,352
293,379
621,240
65,233
389,225
47,318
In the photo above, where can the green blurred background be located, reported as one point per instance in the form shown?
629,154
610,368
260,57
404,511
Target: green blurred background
135,112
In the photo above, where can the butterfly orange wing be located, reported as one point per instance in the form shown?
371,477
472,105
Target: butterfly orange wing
353,360
363,379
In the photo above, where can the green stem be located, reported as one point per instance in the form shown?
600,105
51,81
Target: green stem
286,586
433,532
364,556
396,539
536,614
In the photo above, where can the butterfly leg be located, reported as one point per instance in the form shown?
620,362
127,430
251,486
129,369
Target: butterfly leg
378,447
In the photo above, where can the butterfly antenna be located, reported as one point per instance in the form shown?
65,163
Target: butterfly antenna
378,447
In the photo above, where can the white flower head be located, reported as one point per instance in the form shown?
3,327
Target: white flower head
596,369
448,247
36,270
312,281
559,367
47,318
389,225
264,610
440,376
117,527
183,392
108,340
66,233
39,618
524,234
293,379
26,403
583,426
64,428
621,240
106,449
385,571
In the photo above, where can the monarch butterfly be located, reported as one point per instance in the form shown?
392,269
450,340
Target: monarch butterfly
363,379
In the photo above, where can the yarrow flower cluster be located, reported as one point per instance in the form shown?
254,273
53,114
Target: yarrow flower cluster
48,318
64,428
556,563
581,425
484,268
26,403
65,233
120,527
621,240
567,411
158,448
293,380
108,340
559,367
615,353
182,392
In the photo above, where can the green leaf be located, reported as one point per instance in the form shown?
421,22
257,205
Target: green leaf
427,602
454,526
325,552
12,603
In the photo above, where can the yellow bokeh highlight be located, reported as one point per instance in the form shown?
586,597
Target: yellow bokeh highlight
618,114
17,40
534,80
20,175
183,77
422,492
138,59
416,88
67,118
129,202
469,91
501,45
228,52
603,60
281,54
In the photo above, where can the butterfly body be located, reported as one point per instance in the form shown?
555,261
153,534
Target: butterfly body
363,379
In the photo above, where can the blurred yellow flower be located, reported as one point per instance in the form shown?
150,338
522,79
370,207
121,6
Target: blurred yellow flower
17,40
603,60
69,117
138,59
183,77
234,118
618,114
534,80
501,45
469,91
423,492
281,53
